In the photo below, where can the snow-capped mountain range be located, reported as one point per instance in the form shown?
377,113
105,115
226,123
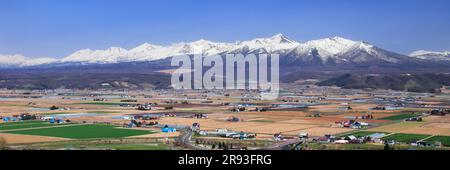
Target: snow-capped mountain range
337,50
431,55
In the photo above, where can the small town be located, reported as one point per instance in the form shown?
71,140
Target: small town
303,118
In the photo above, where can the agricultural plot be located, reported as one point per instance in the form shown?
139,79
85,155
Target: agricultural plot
25,125
54,113
399,117
137,147
22,139
104,103
272,128
321,131
317,121
84,132
363,133
427,127
405,138
102,112
92,112
445,140
398,127
17,123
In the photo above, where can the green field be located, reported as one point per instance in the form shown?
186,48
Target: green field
405,138
444,139
319,146
399,117
84,132
26,124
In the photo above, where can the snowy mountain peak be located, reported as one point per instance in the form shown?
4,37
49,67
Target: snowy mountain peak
339,39
423,52
431,55
145,46
201,42
330,46
364,46
22,61
281,38
275,43
281,35
84,51
337,49
98,56
116,50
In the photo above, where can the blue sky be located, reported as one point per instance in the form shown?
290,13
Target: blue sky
56,28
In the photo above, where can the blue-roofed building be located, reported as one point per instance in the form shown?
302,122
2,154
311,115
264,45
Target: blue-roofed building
168,130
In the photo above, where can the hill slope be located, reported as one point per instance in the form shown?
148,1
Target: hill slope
403,82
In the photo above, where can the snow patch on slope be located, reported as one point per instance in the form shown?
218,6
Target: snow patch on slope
22,61
431,55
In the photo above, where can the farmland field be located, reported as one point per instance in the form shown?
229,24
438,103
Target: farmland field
138,147
24,139
104,103
398,127
26,124
399,117
444,139
405,138
84,132
93,121
363,133
94,112
17,123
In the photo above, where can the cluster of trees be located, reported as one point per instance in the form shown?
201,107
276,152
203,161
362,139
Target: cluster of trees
222,145
388,147
54,108
3,144
28,117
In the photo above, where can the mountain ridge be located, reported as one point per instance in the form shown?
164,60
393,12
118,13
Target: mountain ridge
431,55
335,50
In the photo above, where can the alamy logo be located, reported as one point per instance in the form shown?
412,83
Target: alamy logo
231,72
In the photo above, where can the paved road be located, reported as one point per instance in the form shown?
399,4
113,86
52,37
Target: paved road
424,139
185,139
186,135
280,146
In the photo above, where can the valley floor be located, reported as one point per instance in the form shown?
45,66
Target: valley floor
302,118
